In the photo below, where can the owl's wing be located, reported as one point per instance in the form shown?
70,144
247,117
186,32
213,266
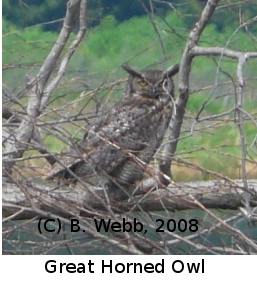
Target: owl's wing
122,127
113,137
123,132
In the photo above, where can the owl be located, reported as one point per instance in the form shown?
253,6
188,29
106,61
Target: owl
123,141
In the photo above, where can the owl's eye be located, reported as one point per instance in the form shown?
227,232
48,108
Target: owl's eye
142,83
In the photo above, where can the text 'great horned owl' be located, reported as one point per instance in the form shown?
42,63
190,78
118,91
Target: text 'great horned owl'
123,141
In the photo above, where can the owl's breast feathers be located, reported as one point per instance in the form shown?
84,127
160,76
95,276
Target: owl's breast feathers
134,126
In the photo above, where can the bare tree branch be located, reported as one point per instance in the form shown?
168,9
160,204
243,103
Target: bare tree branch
177,196
38,92
219,51
191,50
181,101
63,38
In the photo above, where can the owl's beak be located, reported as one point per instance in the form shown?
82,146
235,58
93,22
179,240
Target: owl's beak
153,89
154,92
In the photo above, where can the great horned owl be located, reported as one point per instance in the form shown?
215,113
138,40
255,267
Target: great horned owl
122,142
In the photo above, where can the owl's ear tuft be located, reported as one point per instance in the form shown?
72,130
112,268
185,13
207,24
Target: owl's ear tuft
132,71
173,70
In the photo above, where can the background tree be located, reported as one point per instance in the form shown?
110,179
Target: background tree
52,95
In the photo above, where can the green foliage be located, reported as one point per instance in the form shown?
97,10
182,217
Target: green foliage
230,37
33,12
23,50
110,44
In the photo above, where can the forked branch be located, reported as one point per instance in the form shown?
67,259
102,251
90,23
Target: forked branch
39,91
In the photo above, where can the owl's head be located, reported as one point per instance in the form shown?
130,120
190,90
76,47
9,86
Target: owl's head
151,83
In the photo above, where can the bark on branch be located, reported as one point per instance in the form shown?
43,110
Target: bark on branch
27,201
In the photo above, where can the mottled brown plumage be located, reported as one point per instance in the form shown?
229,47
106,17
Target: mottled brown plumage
123,141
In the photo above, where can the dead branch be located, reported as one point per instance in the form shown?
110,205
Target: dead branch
81,201
38,90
